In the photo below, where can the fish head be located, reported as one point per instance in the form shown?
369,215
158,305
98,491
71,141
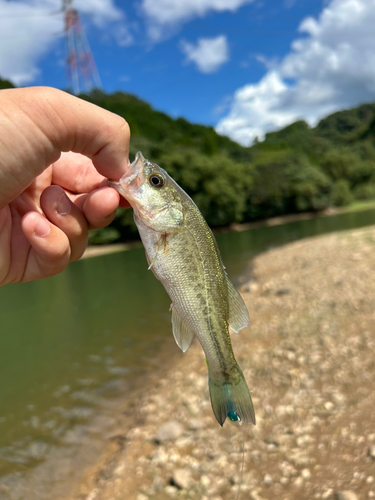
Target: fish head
154,196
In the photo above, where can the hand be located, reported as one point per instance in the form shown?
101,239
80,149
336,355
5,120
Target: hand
50,195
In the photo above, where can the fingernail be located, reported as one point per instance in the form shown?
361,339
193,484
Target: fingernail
41,227
63,206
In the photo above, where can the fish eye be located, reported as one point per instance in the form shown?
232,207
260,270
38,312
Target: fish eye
156,180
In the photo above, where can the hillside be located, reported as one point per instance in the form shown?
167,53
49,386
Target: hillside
293,170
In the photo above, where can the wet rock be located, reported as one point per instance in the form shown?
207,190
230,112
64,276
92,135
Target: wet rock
169,431
64,389
75,435
37,450
346,495
182,479
114,388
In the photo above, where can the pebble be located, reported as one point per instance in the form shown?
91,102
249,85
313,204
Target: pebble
306,474
346,495
298,482
328,405
93,494
182,479
169,431
267,479
205,481
371,451
195,424
171,491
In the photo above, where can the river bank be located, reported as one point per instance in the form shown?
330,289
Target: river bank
308,357
98,250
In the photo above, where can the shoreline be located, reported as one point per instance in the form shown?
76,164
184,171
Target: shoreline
99,250
308,358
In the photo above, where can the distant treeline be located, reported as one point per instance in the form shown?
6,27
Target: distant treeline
293,170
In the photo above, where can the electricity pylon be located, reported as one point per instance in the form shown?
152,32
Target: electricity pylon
82,74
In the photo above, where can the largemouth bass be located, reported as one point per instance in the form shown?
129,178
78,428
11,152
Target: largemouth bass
182,253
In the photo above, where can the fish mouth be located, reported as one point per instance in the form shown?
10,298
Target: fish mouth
133,177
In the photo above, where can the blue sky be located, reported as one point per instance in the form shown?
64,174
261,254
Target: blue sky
245,67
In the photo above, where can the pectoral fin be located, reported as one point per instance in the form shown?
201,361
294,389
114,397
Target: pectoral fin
238,313
159,247
183,335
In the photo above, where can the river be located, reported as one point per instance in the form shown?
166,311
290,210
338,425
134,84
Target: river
73,346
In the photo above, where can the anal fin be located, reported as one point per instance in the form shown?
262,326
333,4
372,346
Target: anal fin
183,335
238,313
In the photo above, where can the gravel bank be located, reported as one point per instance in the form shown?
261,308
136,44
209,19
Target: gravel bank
308,357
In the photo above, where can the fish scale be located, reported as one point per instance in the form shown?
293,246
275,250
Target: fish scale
183,254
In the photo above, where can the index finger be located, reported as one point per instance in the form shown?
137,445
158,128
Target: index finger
76,173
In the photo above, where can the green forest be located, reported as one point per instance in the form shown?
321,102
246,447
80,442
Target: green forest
293,170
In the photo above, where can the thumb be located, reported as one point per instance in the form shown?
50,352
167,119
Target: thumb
38,123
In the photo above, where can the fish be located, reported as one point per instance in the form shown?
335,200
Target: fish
182,252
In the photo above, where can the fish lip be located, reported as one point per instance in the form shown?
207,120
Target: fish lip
113,184
134,173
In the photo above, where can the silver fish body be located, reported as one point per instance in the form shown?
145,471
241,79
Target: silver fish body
182,253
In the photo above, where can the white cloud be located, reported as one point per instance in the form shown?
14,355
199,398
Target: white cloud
101,11
29,29
331,68
208,53
122,35
163,14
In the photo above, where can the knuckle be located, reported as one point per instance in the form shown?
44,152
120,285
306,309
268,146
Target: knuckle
121,127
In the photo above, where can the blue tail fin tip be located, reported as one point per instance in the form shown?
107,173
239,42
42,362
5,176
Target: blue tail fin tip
231,400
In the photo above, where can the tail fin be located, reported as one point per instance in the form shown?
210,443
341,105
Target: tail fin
231,398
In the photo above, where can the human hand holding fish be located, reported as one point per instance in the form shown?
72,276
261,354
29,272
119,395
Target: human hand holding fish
182,253
50,196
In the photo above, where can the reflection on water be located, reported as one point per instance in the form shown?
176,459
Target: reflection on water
73,345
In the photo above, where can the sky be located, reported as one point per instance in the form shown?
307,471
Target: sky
245,67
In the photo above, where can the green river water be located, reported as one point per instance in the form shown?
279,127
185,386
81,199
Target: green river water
72,345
